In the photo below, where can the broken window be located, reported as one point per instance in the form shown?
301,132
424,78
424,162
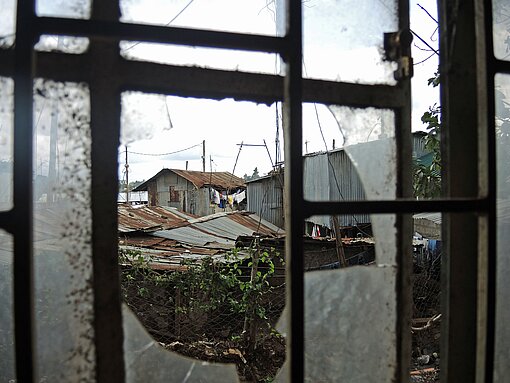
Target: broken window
355,311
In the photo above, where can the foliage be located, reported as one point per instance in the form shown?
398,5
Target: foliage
238,285
427,171
254,176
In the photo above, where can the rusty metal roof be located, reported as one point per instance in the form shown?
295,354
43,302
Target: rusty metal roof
149,218
219,180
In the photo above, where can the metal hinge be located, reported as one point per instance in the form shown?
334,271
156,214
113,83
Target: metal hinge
397,47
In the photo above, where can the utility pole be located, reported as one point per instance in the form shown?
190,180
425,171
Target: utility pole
126,166
203,156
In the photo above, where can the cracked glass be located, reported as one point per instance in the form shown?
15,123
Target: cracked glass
343,40
63,232
362,166
7,361
162,137
6,142
502,335
253,17
344,145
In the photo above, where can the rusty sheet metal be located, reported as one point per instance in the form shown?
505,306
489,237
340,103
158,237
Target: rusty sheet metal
147,218
257,224
222,180
219,180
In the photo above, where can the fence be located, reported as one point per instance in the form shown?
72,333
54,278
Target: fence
222,310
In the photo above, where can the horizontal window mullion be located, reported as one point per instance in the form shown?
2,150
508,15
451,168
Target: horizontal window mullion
396,206
501,66
7,222
219,84
159,34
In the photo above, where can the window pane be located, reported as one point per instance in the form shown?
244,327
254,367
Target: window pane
343,40
255,17
255,62
6,133
147,360
8,24
63,233
164,139
7,361
352,311
75,9
502,350
168,132
501,29
65,44
362,166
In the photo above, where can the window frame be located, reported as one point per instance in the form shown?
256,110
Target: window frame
104,30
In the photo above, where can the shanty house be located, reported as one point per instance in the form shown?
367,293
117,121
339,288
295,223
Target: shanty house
190,191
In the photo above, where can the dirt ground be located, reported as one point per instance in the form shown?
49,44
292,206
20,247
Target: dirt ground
253,365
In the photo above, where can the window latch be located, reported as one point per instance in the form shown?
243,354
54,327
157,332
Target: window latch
397,47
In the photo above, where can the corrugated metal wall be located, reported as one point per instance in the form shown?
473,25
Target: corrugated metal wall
333,180
265,198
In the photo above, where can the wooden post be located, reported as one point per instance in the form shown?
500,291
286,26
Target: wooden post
339,245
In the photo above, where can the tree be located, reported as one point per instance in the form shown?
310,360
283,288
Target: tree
427,169
254,176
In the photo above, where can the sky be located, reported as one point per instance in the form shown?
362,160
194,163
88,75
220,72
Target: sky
156,124
347,52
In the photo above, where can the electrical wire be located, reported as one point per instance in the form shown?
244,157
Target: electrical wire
163,154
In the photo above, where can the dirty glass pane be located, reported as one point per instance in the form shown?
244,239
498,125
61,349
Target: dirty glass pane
75,9
225,59
254,17
63,232
350,311
349,144
502,351
343,40
6,132
7,361
357,303
65,44
501,29
8,24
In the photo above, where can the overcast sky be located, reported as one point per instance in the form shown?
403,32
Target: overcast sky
345,51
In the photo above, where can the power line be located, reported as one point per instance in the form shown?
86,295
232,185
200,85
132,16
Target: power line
165,154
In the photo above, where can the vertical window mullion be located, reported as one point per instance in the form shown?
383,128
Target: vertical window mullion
105,130
23,225
294,189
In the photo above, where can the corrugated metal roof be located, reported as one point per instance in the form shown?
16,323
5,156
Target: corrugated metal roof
223,180
148,218
434,217
195,237
220,180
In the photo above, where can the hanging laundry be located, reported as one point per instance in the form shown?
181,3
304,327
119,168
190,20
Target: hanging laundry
230,199
239,197
216,197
